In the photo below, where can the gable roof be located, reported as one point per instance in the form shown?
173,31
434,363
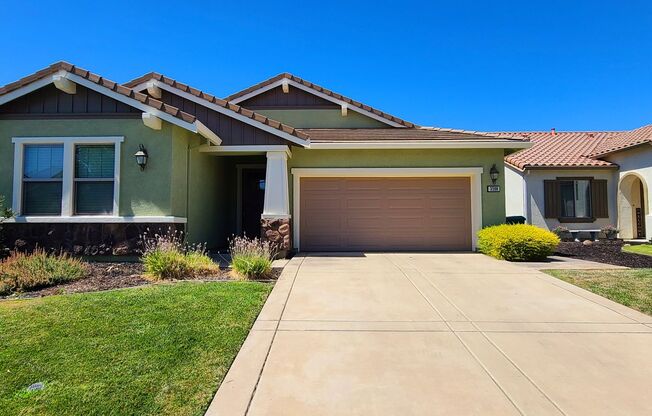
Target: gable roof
104,86
321,92
624,140
284,130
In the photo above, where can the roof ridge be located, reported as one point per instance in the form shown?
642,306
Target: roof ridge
322,90
286,128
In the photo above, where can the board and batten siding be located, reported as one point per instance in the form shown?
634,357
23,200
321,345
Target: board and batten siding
295,98
50,102
231,131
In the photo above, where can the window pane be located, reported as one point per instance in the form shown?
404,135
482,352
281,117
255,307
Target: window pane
42,198
43,161
567,193
94,161
582,199
94,197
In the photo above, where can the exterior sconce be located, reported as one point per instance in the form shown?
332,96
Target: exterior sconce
493,174
141,157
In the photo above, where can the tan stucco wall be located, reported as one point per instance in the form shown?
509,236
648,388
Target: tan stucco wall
634,162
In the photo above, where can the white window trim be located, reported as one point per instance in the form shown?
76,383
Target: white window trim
474,173
160,219
67,203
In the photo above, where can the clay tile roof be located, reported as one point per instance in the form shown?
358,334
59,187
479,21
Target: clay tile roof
624,140
393,134
569,149
323,91
222,103
120,89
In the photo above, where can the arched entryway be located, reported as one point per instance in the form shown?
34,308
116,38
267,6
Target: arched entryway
632,206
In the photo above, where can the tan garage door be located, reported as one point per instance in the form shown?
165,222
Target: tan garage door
351,214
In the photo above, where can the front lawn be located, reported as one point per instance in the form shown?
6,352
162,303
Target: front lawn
639,249
161,349
630,287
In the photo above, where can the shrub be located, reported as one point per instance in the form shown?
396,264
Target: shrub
251,258
20,272
165,256
609,231
5,213
518,242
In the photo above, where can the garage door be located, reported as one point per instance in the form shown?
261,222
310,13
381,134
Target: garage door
356,214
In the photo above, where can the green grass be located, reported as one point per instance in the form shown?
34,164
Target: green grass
639,249
153,350
630,287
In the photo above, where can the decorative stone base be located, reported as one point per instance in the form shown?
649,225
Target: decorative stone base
277,231
89,239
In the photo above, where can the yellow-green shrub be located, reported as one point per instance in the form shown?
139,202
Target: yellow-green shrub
517,242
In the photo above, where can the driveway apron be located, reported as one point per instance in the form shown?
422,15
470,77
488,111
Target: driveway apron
437,334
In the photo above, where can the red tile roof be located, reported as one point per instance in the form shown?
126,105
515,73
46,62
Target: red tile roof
217,101
624,140
561,149
103,82
575,149
322,90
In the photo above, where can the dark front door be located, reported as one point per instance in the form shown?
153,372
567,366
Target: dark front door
640,213
253,198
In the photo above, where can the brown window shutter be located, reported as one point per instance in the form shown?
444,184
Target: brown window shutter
552,200
599,200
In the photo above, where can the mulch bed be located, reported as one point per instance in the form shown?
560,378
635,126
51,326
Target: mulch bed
604,252
113,275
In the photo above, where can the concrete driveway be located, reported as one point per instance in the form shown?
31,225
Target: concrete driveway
437,334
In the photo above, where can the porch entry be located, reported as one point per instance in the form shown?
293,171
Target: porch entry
252,199
633,207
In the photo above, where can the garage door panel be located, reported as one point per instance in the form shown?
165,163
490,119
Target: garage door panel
385,214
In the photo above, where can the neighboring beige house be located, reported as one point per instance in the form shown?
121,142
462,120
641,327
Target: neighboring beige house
583,180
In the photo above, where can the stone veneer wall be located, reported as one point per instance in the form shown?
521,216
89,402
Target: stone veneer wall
278,232
88,239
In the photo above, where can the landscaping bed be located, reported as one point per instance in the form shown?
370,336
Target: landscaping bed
609,252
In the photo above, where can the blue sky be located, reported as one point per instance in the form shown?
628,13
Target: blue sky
483,65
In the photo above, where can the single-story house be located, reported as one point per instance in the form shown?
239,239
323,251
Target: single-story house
583,180
89,164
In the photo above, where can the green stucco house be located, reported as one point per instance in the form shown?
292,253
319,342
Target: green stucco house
88,164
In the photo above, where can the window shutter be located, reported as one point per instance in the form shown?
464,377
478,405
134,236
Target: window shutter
599,200
551,199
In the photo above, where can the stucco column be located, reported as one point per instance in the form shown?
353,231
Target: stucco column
275,221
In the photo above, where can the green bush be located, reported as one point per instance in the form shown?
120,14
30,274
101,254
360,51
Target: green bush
20,272
166,257
251,258
517,242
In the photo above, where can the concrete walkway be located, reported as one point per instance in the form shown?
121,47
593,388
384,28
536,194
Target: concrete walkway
437,334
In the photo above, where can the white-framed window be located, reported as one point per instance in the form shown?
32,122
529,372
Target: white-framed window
66,176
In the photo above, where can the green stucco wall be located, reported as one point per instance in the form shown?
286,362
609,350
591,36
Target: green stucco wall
146,193
493,204
321,119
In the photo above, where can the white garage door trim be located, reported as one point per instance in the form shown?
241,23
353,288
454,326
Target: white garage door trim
474,173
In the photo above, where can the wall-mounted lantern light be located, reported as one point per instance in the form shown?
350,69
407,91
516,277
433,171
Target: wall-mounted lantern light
141,157
493,174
